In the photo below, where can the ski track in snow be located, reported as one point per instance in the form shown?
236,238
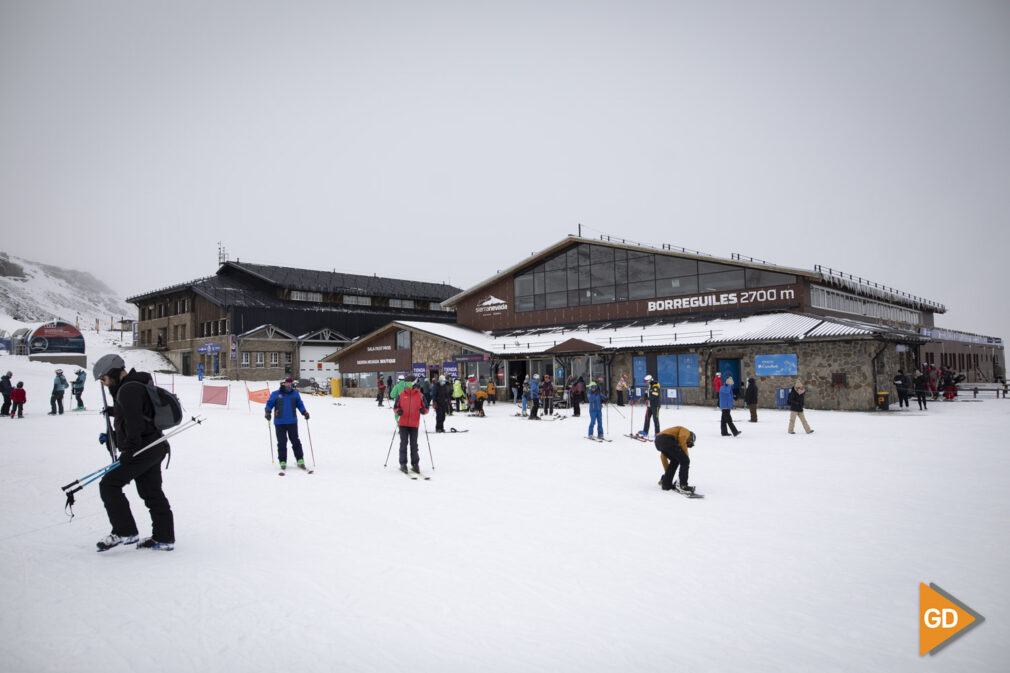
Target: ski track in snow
530,550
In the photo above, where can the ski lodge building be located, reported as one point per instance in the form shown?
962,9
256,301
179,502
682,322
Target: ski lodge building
600,309
258,322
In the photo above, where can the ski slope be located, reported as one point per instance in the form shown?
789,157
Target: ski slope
531,549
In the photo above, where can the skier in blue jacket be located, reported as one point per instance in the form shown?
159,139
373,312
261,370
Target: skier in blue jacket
595,409
284,402
726,404
60,385
535,396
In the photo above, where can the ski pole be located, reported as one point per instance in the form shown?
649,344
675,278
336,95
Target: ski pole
390,446
429,443
311,450
271,436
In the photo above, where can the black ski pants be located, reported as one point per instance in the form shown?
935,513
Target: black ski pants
727,422
669,447
56,401
902,398
285,431
7,405
548,406
411,435
651,413
440,409
145,470
536,407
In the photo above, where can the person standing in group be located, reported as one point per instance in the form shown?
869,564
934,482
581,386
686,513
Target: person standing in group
673,444
283,404
622,389
457,393
726,404
652,398
60,386
472,386
18,398
409,407
750,398
133,412
381,396
717,387
547,395
795,403
442,398
535,397
491,391
595,409
921,387
933,380
78,388
575,394
515,389
902,385
401,385
5,389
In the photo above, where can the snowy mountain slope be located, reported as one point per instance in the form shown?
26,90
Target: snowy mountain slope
531,549
33,293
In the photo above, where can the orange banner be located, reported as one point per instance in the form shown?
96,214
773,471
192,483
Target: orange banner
259,396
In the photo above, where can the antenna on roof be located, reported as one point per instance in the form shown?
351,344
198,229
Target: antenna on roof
222,254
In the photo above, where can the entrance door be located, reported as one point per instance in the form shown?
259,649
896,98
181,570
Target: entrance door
730,368
187,363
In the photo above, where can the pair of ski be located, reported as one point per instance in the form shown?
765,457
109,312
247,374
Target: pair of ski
598,439
641,438
308,470
414,476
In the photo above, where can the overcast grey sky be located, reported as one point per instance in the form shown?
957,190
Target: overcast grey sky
446,140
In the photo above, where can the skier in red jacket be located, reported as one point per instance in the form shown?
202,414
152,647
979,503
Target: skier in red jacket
409,407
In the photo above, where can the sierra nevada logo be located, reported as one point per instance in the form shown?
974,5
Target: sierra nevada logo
492,305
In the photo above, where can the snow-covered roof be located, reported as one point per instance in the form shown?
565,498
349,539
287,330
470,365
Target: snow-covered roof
764,327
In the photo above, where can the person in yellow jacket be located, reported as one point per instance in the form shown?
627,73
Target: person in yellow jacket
490,391
457,393
673,444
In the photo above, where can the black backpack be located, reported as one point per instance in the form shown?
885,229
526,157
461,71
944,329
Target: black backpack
167,408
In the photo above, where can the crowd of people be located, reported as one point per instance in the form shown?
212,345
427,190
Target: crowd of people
15,395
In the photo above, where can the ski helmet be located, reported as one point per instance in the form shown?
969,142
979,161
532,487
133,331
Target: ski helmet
648,377
106,364
690,440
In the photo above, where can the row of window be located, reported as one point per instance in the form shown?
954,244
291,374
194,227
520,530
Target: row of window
832,300
260,358
594,274
359,300
214,327
165,309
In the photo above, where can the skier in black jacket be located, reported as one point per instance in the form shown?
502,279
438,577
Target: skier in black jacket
750,397
134,428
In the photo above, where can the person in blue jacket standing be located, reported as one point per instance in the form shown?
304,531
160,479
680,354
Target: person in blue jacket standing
726,404
535,396
595,409
78,388
60,386
284,403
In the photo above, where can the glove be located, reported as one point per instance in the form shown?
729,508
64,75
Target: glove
398,412
107,411
306,415
267,414
102,438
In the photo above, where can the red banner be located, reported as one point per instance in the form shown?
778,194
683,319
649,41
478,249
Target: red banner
215,395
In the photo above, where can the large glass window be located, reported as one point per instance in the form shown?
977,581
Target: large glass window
588,274
402,340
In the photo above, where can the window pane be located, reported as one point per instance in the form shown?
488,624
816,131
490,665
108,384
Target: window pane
621,293
603,295
712,267
583,277
620,254
642,290
583,251
572,257
538,282
556,281
557,299
671,287
573,297
641,269
524,285
759,278
671,267
573,278
727,280
585,297
555,263
602,274
599,254
524,304
539,302
621,272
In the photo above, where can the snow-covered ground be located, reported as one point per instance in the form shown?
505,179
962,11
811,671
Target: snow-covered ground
531,549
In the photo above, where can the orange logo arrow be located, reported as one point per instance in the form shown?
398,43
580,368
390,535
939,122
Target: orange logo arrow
942,619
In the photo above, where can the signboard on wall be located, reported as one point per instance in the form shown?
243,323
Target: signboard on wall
450,369
779,364
420,369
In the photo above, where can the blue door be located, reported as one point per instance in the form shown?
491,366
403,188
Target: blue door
730,368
